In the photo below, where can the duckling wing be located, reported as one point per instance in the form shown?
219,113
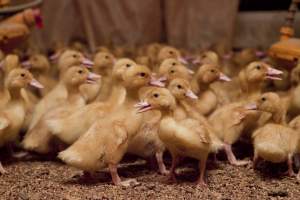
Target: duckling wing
200,131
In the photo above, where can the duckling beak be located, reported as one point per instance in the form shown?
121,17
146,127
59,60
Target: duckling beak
142,106
227,56
191,94
92,78
251,106
273,74
36,84
191,71
38,18
87,62
223,77
26,64
196,61
260,54
54,57
158,82
183,60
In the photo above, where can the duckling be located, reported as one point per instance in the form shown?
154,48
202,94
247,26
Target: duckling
58,93
38,139
86,116
104,63
207,57
106,141
275,141
209,97
39,66
232,120
166,65
13,115
168,52
186,137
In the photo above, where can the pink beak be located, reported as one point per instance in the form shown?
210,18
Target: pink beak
183,61
223,77
143,106
191,94
251,106
26,64
92,78
158,82
36,84
273,73
87,62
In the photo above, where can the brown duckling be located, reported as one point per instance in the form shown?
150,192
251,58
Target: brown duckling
38,138
185,137
13,115
275,141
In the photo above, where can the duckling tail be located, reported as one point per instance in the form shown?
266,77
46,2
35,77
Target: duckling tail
216,144
270,152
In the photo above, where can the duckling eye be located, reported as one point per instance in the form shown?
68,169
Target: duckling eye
258,67
156,95
22,75
128,65
80,71
179,86
172,71
106,57
142,74
173,64
213,71
170,52
75,56
263,99
203,56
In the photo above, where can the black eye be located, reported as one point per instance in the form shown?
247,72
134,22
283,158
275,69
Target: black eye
142,74
173,64
203,56
258,67
22,75
128,65
106,57
179,86
263,99
213,71
75,56
156,95
172,71
170,52
80,71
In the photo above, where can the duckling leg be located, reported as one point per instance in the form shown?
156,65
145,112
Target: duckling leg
160,162
255,160
202,167
231,157
175,161
2,170
116,178
290,166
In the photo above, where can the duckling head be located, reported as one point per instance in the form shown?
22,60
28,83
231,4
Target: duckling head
121,66
208,73
295,75
104,60
267,102
181,89
78,75
207,57
178,71
156,98
166,65
37,62
170,52
259,71
71,57
20,78
136,76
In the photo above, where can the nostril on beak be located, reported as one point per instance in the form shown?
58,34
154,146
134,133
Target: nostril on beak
143,74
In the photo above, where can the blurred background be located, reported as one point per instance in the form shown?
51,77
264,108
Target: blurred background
190,24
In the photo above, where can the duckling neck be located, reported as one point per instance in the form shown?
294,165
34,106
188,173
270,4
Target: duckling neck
15,93
253,90
118,94
73,92
203,86
105,71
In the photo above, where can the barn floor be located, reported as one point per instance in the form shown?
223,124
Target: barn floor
38,179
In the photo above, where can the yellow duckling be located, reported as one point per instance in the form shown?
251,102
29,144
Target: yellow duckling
185,137
275,141
13,115
106,141
58,93
38,138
